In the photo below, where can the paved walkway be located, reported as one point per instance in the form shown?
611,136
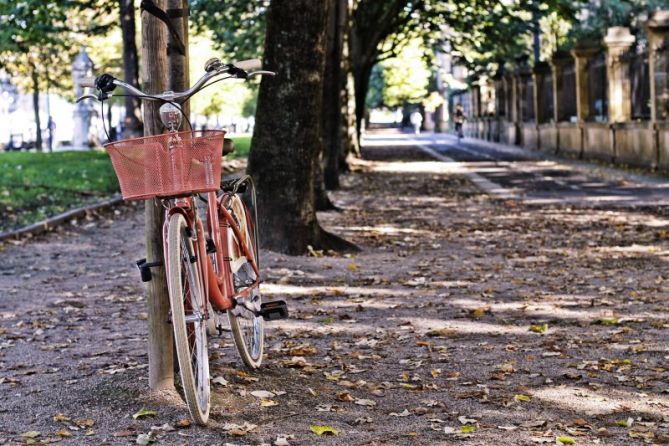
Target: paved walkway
466,319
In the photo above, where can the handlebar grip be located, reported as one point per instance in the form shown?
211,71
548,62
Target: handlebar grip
88,82
249,65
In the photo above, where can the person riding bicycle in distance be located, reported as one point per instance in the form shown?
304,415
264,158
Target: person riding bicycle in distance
458,119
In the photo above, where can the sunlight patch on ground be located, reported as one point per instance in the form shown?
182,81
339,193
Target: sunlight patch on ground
606,401
466,326
387,230
318,291
317,325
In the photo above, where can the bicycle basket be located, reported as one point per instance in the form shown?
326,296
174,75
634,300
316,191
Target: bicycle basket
168,165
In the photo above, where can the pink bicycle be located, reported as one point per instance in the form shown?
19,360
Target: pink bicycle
211,254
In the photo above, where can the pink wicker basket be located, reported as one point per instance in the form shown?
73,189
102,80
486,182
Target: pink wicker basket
168,165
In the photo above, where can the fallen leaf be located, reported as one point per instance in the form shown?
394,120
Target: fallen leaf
220,381
262,394
64,433
31,434
523,398
268,403
61,417
323,430
183,423
282,440
565,439
465,420
141,413
467,429
541,329
404,413
144,439
364,402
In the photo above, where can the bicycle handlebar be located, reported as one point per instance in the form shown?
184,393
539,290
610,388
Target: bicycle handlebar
246,68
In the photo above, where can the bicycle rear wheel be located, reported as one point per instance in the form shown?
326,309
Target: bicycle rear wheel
247,328
188,311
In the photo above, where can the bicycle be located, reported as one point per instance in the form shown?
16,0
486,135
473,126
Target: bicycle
212,271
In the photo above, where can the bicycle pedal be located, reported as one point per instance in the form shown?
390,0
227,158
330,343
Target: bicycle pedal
272,311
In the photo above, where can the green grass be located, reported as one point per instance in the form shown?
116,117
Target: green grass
242,146
35,186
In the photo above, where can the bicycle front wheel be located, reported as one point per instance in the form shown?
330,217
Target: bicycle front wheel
188,319
247,328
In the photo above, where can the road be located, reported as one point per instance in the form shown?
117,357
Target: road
536,178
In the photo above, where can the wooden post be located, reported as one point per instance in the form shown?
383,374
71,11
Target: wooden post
154,80
178,78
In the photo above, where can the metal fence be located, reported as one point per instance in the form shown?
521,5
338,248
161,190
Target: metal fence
527,98
545,90
598,88
568,95
639,82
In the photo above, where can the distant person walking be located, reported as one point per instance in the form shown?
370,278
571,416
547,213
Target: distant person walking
459,119
416,121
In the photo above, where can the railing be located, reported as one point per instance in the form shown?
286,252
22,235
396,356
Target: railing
598,88
639,82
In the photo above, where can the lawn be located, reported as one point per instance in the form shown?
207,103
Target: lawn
34,186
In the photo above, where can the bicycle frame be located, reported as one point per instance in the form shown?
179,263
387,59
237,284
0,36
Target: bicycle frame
217,285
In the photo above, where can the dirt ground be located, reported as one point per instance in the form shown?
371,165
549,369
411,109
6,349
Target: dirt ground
464,320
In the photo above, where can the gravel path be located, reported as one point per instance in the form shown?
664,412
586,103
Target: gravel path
465,320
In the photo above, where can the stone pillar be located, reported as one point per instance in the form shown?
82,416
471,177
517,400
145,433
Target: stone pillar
582,53
476,100
657,29
558,63
618,41
539,73
82,67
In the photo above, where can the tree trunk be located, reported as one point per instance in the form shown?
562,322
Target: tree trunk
154,80
132,123
288,128
361,72
38,124
332,98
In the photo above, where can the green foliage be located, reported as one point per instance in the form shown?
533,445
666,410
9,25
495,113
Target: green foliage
400,80
38,39
236,26
598,16
230,97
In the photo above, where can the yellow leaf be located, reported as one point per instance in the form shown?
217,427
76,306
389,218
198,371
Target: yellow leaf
467,429
521,397
61,417
63,433
31,434
268,403
141,413
539,328
480,312
566,440
352,267
323,430
607,321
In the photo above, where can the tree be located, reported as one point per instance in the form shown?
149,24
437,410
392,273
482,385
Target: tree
38,41
283,148
133,123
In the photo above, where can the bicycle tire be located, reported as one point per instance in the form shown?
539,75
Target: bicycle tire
247,328
190,336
